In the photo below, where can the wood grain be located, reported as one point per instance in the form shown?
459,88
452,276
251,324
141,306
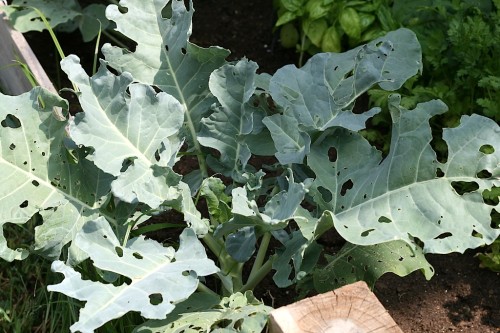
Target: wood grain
350,309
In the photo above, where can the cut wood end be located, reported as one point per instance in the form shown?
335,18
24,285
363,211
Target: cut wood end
350,309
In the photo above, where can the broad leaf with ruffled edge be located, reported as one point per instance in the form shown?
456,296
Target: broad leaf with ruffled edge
160,276
163,56
368,263
129,122
41,176
322,93
225,129
409,194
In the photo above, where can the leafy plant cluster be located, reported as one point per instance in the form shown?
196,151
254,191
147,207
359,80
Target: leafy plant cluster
331,25
92,181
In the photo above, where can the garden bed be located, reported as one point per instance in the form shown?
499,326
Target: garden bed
460,297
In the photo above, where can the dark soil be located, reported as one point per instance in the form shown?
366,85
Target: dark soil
460,298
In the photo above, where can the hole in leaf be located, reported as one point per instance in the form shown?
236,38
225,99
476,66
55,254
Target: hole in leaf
366,232
11,121
487,149
183,51
401,259
484,174
349,258
137,255
325,194
384,219
464,187
12,146
155,299
346,186
439,173
444,235
35,183
492,197
24,204
238,324
437,143
185,273
122,9
16,235
332,154
119,251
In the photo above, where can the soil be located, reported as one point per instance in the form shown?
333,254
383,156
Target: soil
461,297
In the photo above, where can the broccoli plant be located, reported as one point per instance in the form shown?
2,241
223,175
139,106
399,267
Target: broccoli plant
279,162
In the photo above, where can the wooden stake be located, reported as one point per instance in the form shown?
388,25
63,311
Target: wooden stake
13,47
350,309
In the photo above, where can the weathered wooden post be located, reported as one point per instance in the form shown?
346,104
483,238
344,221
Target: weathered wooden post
13,47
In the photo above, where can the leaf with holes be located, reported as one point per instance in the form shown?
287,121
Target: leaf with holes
238,312
164,57
134,134
41,176
409,195
321,94
159,276
368,263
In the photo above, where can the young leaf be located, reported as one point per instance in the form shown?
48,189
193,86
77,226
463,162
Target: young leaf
40,175
291,143
226,128
160,277
277,212
408,194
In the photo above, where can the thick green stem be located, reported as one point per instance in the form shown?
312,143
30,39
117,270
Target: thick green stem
197,147
261,255
205,289
259,276
214,246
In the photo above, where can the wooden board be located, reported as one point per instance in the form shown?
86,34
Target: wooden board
13,46
350,309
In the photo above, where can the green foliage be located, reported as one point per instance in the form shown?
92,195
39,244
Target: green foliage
93,179
64,15
331,25
491,258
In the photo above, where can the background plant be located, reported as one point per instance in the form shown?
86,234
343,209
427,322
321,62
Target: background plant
93,179
331,25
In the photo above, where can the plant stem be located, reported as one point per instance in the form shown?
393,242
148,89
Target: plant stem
261,255
115,40
261,274
214,246
205,289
